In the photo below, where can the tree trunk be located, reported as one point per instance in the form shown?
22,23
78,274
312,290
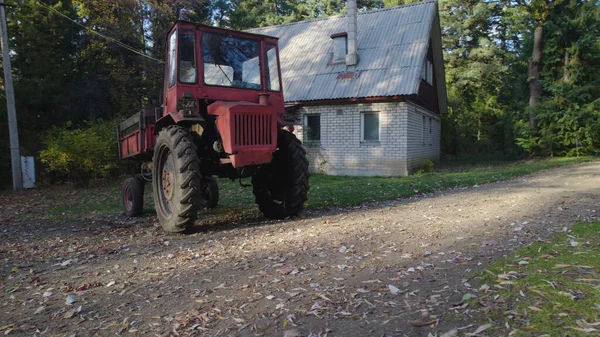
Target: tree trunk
566,76
535,87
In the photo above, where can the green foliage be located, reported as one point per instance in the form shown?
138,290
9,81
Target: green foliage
81,153
557,295
567,116
426,166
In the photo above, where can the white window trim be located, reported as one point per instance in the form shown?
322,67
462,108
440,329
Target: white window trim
362,126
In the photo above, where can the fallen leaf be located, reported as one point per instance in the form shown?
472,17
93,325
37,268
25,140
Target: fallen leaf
451,333
480,329
393,289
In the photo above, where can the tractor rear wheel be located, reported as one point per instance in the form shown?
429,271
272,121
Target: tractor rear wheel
281,188
133,197
176,179
210,192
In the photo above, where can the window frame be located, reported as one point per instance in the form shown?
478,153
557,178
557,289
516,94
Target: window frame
341,42
362,127
427,72
306,132
268,75
173,68
260,62
195,62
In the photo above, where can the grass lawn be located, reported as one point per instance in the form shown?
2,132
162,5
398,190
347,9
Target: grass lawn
326,191
547,289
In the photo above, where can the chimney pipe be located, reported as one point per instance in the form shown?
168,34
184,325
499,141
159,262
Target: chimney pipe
352,56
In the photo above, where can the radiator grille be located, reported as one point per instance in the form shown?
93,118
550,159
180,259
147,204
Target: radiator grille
252,130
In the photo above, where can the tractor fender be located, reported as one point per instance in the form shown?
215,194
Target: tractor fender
173,118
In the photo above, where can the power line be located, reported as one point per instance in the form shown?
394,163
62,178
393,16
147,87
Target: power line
108,38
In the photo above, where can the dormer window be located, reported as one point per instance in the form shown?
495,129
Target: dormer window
340,47
427,73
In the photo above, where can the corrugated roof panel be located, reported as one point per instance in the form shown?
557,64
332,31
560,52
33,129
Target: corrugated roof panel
322,87
392,44
373,59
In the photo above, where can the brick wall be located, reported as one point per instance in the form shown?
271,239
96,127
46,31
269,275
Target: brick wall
424,131
341,151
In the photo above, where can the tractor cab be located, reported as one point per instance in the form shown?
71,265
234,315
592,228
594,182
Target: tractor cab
228,75
206,64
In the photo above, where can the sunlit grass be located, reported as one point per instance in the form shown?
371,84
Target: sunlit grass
325,191
555,291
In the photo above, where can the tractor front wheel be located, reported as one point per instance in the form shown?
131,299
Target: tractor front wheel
133,197
281,188
176,179
210,192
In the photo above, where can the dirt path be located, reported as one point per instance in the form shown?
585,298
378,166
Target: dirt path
365,271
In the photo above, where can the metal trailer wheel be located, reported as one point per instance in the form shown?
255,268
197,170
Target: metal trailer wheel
133,197
176,179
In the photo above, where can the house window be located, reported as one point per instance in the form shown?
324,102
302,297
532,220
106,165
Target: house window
427,73
312,125
340,47
369,131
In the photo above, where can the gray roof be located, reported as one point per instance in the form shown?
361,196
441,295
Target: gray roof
392,44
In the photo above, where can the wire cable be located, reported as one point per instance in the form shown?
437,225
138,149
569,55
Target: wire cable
108,38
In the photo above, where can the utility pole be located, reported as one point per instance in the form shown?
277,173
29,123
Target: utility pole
15,153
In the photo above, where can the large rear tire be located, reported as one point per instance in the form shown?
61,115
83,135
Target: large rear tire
281,188
176,179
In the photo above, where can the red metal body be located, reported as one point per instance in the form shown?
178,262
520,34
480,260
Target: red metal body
246,118
136,134
250,131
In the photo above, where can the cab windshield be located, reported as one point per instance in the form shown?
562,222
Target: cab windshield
231,61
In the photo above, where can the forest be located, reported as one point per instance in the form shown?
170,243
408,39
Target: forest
523,76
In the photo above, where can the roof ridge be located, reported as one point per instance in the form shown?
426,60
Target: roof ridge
343,15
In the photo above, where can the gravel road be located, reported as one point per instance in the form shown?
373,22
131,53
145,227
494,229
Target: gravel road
394,268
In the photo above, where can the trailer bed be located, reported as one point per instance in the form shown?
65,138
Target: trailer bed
136,134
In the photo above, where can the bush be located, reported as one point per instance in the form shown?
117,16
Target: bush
425,166
81,153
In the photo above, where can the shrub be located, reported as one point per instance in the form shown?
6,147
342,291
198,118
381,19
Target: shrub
81,153
426,166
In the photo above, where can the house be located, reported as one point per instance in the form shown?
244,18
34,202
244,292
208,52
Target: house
369,88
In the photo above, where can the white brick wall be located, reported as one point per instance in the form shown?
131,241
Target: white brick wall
420,147
341,151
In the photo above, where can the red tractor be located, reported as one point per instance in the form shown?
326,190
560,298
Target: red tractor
223,115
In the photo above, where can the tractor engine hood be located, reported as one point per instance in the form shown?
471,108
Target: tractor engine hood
248,131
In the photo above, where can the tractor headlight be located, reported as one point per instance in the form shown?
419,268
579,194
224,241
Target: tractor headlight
186,106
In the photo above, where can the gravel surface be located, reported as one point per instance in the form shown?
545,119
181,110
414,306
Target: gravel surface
395,268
